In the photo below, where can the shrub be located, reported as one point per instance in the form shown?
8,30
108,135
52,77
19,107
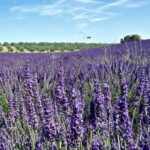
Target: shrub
130,38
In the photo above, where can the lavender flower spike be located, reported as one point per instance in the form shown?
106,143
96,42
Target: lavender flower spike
11,113
98,116
28,96
60,93
50,130
37,96
123,84
123,124
76,129
96,145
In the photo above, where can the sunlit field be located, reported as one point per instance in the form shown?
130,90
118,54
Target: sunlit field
95,99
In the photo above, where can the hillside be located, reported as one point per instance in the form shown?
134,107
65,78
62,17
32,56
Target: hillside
45,47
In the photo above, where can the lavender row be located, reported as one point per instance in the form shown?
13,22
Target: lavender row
96,99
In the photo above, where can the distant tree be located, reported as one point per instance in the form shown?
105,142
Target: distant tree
12,44
21,43
122,41
1,47
10,49
127,38
135,37
130,38
19,48
5,44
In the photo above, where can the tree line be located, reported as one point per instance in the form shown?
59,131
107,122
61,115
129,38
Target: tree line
53,47
49,47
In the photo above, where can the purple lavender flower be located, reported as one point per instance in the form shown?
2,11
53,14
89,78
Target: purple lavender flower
145,102
76,129
11,114
62,134
39,145
28,81
131,145
123,126
93,105
135,101
60,92
109,108
96,145
4,140
33,118
53,147
123,84
50,129
38,99
122,120
92,116
28,96
144,141
75,94
144,117
97,89
98,116
24,112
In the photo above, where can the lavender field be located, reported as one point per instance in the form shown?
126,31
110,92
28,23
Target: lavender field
95,99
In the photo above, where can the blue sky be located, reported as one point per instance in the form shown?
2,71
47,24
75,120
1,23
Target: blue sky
72,20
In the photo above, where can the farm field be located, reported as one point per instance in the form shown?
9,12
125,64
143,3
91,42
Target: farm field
93,99
46,47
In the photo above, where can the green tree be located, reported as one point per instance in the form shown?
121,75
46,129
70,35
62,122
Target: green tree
1,47
130,38
10,49
5,44
135,37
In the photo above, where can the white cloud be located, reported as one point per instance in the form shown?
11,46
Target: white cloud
90,1
117,3
23,9
135,5
47,9
121,4
98,19
78,10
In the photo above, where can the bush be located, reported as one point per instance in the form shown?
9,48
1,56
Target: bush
130,38
1,48
10,49
19,48
135,37
5,44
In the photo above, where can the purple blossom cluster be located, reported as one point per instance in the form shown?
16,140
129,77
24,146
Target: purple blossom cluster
98,114
76,124
50,130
